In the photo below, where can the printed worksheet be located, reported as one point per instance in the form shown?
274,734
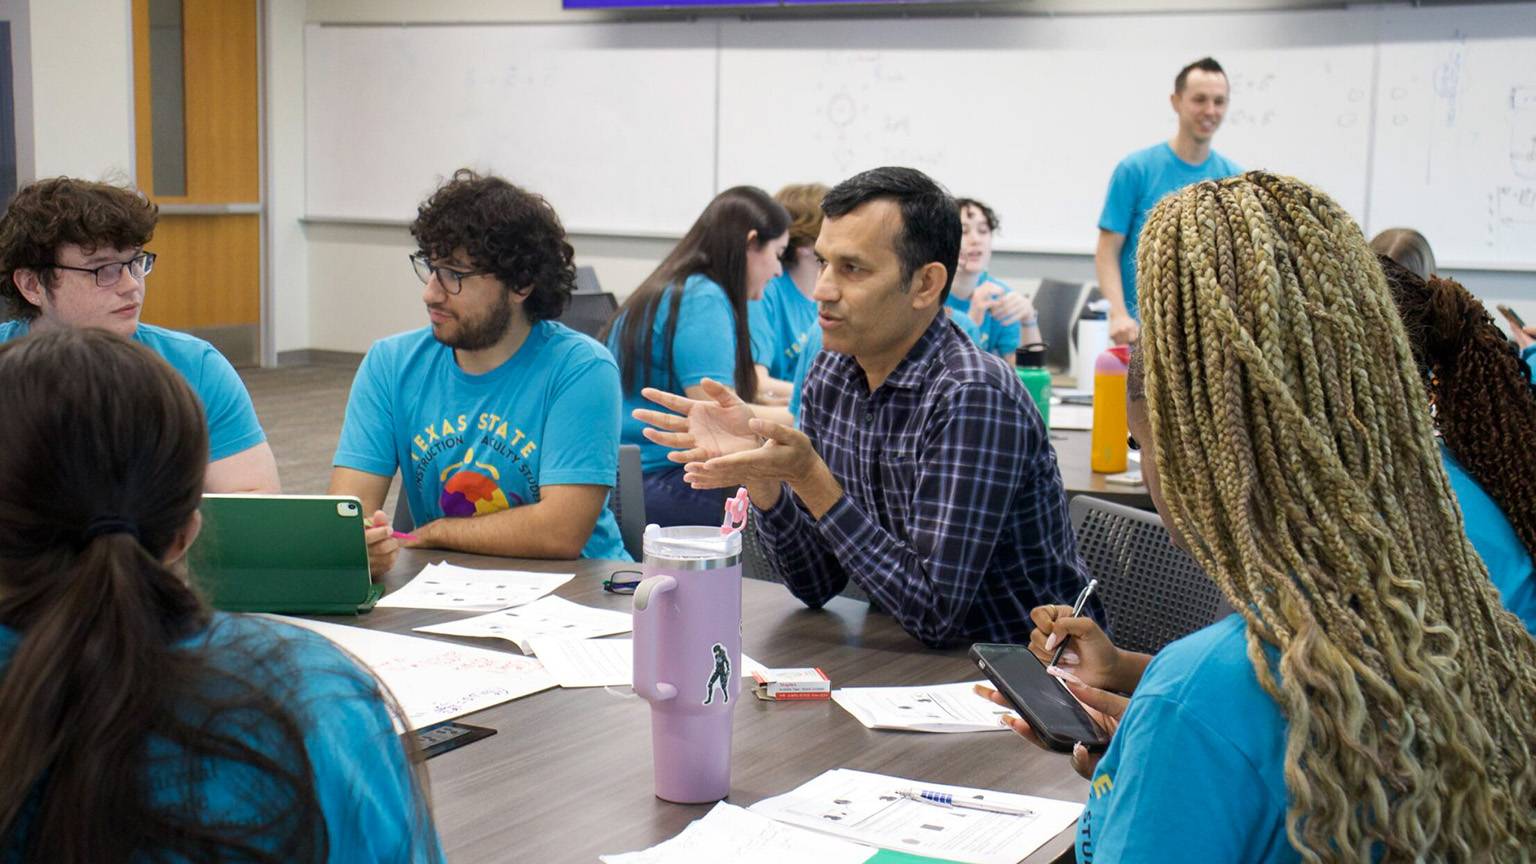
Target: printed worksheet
934,708
730,833
464,589
870,808
547,616
433,680
597,662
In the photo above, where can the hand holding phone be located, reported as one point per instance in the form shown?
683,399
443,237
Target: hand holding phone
1523,337
1052,712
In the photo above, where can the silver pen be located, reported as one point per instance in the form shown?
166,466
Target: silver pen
1077,609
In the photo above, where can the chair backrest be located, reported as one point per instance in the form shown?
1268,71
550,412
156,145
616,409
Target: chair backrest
405,523
1059,305
587,313
627,501
1152,592
586,281
754,564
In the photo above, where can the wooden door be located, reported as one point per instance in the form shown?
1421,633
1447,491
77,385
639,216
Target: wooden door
207,277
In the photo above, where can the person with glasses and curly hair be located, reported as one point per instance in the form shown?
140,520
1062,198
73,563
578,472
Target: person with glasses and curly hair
503,422
72,255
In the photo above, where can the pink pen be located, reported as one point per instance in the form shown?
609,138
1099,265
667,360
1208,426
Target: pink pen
398,535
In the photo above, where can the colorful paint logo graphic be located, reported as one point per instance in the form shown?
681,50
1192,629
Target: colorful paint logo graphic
471,493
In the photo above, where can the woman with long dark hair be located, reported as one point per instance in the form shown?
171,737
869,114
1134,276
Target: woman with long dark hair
140,725
685,330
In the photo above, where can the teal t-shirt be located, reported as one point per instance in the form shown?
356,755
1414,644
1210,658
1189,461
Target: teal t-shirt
361,775
1195,771
781,322
1529,356
992,335
468,445
1139,182
232,424
802,367
1507,559
704,347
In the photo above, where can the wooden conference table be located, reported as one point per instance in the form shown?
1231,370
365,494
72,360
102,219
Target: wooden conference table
568,777
1072,454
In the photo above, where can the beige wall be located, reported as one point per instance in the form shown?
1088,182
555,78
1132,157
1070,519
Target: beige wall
79,81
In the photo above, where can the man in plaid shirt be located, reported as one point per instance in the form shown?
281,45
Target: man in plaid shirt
921,470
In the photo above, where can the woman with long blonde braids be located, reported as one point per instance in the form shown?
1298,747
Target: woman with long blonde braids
1371,699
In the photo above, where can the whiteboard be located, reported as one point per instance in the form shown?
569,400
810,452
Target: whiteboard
1455,152
614,124
1406,116
1031,115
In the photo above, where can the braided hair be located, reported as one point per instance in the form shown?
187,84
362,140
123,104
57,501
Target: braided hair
1485,408
1297,454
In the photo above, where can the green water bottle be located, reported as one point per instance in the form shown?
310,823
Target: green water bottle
1030,361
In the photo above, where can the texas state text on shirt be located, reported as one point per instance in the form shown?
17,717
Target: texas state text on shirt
469,445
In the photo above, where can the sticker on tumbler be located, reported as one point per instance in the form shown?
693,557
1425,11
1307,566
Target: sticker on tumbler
722,674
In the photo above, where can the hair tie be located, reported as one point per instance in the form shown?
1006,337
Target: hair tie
110,525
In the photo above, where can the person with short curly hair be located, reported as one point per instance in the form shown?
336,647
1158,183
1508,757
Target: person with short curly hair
72,255
495,410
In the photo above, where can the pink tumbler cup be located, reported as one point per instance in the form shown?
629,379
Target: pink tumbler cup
688,657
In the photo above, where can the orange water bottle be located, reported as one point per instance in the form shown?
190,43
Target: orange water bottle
1109,424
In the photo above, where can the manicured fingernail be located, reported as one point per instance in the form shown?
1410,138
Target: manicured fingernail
1063,674
1050,643
1079,750
1070,658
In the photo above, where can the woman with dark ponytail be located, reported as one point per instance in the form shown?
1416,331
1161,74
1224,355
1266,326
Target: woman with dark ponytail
138,724
1485,412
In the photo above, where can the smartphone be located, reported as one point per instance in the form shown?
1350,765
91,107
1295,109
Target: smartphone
1039,698
1513,318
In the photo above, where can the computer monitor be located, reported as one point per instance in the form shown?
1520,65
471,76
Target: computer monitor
1059,305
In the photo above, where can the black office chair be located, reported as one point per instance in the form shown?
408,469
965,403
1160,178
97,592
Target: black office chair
627,501
1059,305
588,313
586,281
1152,592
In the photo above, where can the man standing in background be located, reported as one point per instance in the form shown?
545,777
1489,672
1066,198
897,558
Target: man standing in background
1141,179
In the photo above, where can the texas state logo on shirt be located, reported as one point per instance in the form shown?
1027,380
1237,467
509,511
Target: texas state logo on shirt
479,468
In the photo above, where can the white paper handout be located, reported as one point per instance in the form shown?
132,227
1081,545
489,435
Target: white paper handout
869,808
1071,416
463,589
730,833
547,616
433,680
936,708
596,662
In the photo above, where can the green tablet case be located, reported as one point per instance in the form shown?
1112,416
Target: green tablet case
301,554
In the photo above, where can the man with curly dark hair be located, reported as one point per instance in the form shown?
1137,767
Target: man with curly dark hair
495,410
72,255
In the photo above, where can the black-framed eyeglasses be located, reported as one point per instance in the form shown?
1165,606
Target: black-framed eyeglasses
622,581
108,275
451,280
1130,441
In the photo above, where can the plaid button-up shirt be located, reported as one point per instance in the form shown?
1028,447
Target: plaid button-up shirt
953,517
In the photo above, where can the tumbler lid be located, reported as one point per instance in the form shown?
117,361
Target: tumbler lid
691,547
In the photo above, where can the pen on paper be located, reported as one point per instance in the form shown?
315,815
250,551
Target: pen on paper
945,799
